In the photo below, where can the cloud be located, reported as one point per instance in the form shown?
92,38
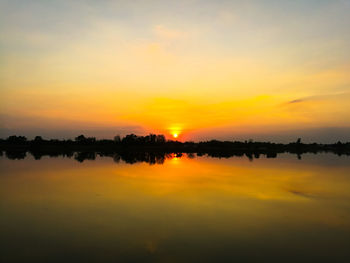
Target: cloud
309,98
331,96
301,194
296,101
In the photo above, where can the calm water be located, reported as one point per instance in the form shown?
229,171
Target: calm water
185,210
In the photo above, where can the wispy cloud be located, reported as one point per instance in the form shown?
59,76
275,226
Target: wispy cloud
296,101
319,97
301,194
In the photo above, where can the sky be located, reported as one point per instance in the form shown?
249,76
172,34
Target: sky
231,70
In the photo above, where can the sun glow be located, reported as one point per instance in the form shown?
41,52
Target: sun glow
175,131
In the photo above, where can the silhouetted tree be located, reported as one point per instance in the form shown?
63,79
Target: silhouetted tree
129,139
80,138
38,139
160,139
154,148
16,139
90,139
153,138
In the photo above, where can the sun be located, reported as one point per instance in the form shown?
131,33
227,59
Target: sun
175,131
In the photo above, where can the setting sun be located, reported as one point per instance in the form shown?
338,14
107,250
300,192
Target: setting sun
175,130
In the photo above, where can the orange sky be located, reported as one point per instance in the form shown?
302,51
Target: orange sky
200,69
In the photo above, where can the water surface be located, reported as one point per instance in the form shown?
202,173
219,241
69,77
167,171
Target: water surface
187,209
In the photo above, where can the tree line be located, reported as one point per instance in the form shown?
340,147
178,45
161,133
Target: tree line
82,139
158,143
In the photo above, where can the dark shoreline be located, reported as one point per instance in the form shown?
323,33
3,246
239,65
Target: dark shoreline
134,148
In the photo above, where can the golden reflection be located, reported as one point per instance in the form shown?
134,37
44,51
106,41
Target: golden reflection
141,207
201,179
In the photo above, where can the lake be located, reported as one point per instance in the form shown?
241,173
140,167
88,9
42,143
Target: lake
183,208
